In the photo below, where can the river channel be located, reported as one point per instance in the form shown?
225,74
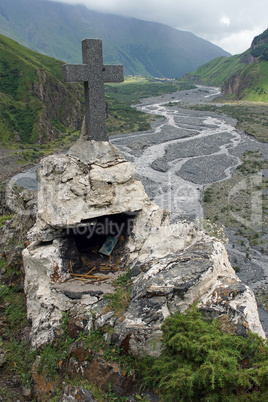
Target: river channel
185,151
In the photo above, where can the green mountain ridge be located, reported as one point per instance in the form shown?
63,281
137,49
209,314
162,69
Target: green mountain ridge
35,106
38,108
146,48
241,77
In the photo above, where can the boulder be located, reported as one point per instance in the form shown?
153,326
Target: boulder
97,370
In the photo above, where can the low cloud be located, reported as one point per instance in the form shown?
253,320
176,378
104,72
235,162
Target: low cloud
227,23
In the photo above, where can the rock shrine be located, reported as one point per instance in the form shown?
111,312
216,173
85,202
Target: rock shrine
89,196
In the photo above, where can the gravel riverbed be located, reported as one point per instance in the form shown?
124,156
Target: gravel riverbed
183,152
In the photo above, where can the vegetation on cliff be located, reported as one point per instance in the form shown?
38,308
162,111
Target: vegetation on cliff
243,76
35,106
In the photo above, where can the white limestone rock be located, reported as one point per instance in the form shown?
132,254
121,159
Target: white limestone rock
71,191
97,152
49,295
120,173
200,273
43,267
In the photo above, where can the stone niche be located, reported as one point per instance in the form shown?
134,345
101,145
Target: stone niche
90,194
86,214
97,246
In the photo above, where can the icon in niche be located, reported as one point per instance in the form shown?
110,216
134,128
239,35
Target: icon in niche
108,245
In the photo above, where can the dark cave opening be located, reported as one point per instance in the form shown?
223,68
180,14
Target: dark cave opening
98,245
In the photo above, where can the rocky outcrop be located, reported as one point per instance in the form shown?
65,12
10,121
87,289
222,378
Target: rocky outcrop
13,234
237,83
260,39
61,106
72,191
199,274
172,265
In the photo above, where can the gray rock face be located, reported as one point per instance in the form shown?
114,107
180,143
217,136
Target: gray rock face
72,191
200,274
172,265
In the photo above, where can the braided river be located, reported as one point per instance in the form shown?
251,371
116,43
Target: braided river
185,151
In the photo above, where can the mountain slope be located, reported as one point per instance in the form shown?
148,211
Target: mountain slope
35,106
146,48
243,76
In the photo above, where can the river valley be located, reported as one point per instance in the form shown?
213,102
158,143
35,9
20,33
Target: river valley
185,151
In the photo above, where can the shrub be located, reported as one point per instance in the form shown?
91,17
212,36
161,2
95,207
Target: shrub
199,362
207,195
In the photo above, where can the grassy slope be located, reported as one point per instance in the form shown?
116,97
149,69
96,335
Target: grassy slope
216,71
19,106
254,76
33,59
259,90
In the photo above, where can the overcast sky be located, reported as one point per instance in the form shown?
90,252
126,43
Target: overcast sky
230,24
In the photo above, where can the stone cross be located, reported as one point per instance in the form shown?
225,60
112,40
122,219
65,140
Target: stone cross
94,74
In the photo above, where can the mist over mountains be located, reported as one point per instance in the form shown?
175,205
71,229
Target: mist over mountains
146,48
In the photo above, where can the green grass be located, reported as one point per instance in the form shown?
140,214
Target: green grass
19,357
119,300
259,91
216,71
33,59
20,104
230,202
3,220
